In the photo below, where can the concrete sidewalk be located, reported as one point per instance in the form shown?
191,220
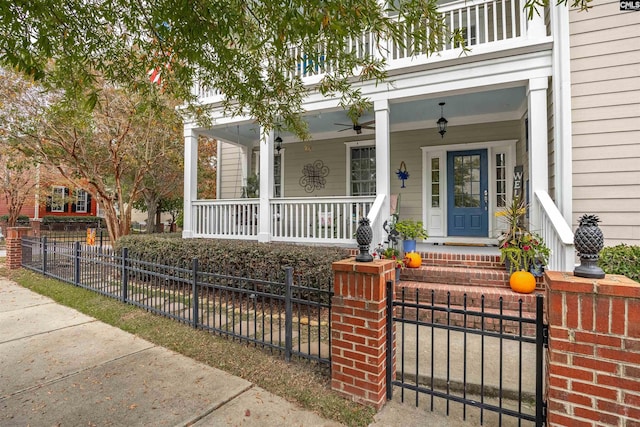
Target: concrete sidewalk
60,367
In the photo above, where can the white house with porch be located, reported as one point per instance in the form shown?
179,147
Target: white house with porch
508,106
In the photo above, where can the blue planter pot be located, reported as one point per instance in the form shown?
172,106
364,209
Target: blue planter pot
409,246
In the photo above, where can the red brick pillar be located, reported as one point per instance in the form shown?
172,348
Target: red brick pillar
14,248
358,330
594,351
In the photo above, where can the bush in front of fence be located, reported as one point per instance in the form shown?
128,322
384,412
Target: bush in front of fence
53,219
311,264
621,259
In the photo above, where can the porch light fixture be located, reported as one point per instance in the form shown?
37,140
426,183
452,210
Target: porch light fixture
278,142
442,122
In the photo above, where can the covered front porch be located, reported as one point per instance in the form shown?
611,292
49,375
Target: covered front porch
315,192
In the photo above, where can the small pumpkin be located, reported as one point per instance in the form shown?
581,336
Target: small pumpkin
522,282
413,260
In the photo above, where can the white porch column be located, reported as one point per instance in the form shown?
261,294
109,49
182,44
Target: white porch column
562,137
266,184
538,146
383,153
190,179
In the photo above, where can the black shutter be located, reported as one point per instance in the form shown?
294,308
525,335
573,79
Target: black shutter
89,211
73,201
66,200
48,204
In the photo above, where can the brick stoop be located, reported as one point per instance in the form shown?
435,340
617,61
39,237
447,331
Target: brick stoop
448,277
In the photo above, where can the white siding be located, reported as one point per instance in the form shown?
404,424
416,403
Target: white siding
405,146
230,170
605,87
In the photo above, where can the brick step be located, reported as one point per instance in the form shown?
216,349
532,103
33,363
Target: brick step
464,276
448,297
442,259
492,295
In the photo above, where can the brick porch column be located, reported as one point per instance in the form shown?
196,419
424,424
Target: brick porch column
358,330
14,248
594,351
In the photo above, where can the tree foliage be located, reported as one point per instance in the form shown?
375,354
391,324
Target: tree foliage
207,168
247,49
109,149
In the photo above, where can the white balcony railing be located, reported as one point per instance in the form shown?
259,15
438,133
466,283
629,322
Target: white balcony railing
556,233
232,218
317,219
482,22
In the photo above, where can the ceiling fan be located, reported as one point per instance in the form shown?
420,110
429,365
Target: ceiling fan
357,126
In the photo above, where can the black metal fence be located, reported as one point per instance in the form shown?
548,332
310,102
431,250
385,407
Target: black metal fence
97,236
279,315
496,374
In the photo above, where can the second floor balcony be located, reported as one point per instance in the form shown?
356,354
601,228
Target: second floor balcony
488,26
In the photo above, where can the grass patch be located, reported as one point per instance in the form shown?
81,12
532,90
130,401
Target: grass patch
299,382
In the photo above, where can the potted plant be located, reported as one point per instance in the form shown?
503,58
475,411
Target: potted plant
520,249
410,231
390,253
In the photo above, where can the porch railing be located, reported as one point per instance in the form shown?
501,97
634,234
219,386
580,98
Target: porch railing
231,218
317,219
556,233
482,22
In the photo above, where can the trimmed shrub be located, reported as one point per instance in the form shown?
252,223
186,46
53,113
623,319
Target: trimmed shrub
311,264
53,219
621,259
22,219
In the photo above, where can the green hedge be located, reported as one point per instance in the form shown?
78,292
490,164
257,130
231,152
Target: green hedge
621,259
311,264
54,219
22,219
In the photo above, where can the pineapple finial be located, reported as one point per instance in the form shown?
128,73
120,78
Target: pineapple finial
589,220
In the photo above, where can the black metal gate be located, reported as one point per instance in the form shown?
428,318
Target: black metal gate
484,363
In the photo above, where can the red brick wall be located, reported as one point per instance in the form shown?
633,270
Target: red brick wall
358,330
594,351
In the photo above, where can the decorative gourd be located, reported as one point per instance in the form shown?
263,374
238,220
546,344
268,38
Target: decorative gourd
413,260
522,282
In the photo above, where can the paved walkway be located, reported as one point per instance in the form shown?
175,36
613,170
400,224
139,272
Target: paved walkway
60,367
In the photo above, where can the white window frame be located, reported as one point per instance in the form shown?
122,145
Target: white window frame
281,155
55,206
349,146
80,192
256,169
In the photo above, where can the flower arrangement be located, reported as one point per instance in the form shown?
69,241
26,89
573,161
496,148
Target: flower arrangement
520,249
389,253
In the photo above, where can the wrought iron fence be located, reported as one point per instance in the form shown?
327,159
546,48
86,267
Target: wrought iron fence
291,318
492,361
96,236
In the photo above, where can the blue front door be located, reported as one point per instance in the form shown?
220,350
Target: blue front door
467,193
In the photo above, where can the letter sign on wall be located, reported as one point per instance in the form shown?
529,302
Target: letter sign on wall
517,181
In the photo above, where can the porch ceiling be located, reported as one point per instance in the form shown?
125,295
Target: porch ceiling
404,115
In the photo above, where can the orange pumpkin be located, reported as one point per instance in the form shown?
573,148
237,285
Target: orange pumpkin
413,260
522,282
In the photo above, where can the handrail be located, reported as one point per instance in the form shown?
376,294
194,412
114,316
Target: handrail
556,233
376,220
